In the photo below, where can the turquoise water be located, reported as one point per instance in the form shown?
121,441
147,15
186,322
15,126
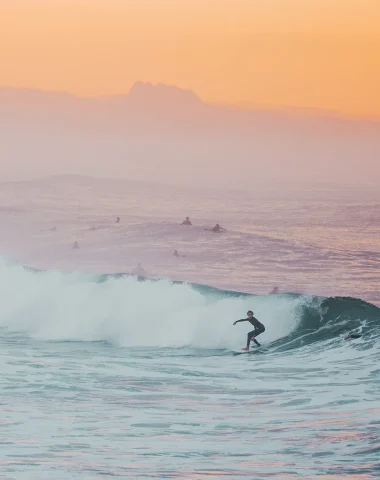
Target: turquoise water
87,395
106,376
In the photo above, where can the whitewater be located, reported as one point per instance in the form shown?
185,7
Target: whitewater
105,374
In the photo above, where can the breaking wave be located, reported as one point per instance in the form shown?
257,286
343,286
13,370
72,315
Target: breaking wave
126,311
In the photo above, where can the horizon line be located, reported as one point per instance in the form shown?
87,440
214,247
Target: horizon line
118,179
244,105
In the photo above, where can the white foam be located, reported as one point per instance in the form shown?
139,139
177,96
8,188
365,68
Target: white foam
56,306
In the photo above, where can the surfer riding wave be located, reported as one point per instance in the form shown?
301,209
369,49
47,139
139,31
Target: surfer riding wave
259,328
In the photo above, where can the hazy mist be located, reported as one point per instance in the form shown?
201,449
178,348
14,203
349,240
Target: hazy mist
169,135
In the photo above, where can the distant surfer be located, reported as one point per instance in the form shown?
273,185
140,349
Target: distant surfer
259,328
139,271
176,254
352,336
274,291
75,245
117,220
186,221
216,229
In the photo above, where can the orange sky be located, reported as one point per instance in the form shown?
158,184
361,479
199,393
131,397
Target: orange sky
311,53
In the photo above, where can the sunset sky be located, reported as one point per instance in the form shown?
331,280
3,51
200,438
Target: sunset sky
304,53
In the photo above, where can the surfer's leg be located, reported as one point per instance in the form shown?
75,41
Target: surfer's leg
249,337
255,334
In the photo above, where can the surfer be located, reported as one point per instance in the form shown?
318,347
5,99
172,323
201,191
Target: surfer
259,328
352,336
274,291
139,271
216,229
186,221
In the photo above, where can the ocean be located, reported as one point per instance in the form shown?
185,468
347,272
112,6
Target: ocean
106,374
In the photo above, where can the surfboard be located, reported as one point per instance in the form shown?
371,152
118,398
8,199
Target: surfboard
241,352
260,349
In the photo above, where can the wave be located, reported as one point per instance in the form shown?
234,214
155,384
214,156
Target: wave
125,311
323,319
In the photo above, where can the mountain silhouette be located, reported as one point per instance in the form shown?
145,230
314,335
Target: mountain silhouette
164,133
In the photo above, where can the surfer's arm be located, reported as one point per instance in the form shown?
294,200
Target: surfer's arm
242,320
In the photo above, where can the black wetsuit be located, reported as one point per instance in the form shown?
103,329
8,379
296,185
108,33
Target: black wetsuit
259,328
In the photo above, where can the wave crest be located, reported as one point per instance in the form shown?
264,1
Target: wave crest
120,309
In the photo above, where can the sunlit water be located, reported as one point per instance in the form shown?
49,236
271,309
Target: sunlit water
107,376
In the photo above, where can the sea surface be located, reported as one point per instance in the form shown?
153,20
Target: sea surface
105,374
